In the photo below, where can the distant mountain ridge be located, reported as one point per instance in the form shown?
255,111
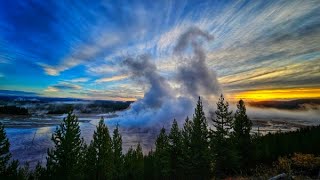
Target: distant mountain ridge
47,99
289,105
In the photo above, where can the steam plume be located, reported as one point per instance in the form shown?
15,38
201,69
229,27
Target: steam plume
161,102
195,76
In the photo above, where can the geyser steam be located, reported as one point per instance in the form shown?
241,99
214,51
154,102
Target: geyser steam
195,76
161,102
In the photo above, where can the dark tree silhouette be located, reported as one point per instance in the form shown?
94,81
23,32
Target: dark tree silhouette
5,155
134,164
186,146
223,153
66,158
241,136
162,155
175,148
100,155
149,166
7,169
199,144
117,154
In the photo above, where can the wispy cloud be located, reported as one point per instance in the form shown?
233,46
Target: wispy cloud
79,80
17,93
113,78
51,89
101,69
67,86
62,86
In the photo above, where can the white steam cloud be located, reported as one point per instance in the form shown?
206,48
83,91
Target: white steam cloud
162,102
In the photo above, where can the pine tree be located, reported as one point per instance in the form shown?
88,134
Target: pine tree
139,163
241,135
199,144
129,164
7,169
223,120
149,166
224,156
100,155
186,146
117,154
5,155
162,156
134,164
39,172
66,158
175,148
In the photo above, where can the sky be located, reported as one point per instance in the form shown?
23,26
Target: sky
262,50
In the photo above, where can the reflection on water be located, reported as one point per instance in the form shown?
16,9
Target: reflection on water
31,144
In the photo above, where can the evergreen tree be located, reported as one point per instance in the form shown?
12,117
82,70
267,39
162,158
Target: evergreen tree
7,169
186,146
223,152
5,155
241,135
162,155
139,163
199,144
134,164
117,154
39,172
149,166
223,121
175,148
100,155
66,158
129,164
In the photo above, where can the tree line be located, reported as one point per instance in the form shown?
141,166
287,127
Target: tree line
194,151
13,110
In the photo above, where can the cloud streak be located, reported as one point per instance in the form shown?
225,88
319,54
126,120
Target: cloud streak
257,44
113,78
17,93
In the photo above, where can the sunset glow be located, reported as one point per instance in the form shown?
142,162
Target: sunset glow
279,94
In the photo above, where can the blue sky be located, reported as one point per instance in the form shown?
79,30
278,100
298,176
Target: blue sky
75,48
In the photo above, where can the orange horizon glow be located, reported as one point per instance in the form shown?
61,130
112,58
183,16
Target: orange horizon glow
278,94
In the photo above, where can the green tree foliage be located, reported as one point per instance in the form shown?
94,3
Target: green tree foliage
129,164
39,172
100,154
175,150
7,169
241,136
139,163
223,153
199,144
149,165
14,110
66,158
134,164
5,155
186,146
162,155
189,153
117,154
270,146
